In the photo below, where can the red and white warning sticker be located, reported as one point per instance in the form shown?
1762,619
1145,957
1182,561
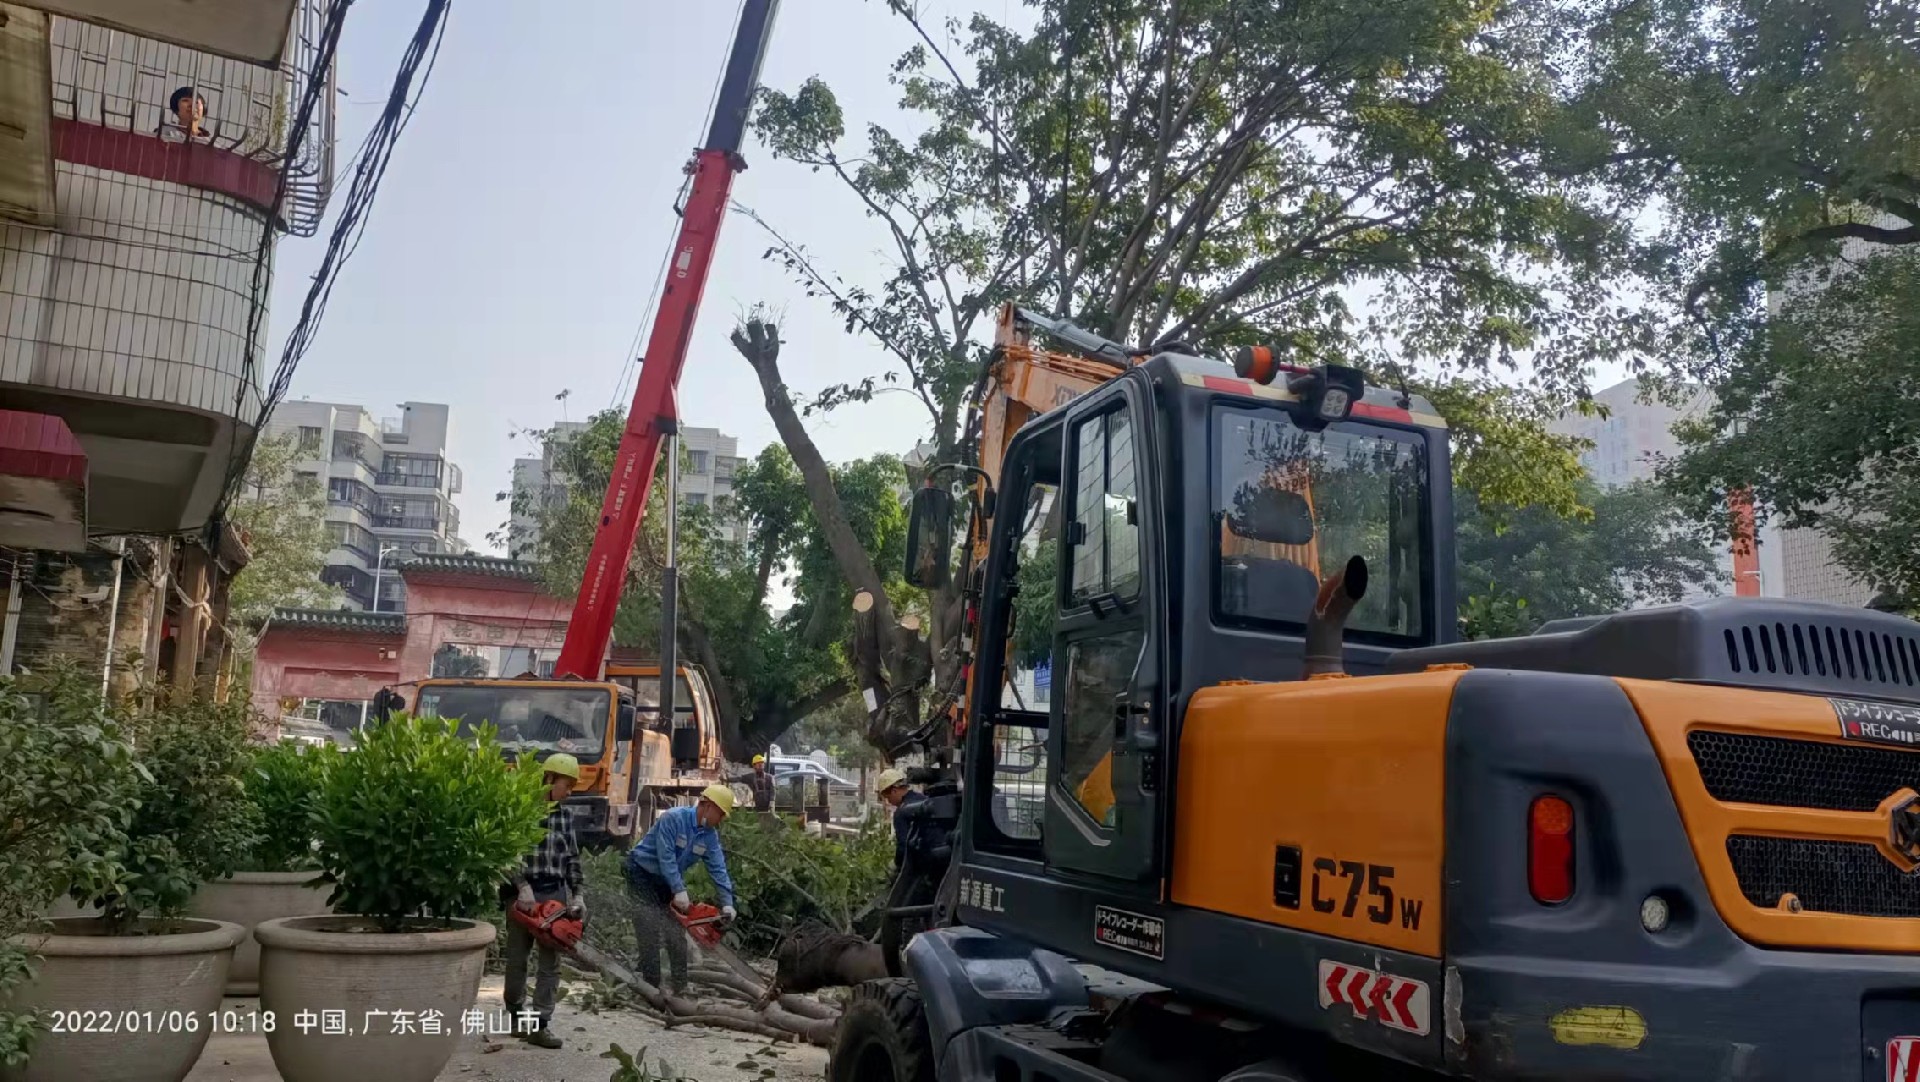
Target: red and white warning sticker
1400,1003
1903,1059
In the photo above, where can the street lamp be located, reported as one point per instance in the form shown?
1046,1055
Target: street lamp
379,564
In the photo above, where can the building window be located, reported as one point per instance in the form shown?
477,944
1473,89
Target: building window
697,499
697,463
310,439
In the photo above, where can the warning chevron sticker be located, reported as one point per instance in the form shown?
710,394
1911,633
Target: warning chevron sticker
1400,1003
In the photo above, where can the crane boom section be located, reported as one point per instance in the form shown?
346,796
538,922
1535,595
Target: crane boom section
655,409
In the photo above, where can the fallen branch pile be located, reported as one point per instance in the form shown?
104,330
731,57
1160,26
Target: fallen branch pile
812,959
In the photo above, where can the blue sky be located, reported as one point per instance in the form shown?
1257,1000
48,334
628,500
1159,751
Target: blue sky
521,225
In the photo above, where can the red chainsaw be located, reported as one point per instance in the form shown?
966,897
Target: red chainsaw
551,927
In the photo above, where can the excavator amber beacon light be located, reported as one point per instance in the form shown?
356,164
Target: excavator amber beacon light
1328,391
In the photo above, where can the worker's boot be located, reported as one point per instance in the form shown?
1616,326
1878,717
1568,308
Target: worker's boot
543,1038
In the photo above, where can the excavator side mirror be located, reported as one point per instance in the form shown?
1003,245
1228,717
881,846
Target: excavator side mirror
930,537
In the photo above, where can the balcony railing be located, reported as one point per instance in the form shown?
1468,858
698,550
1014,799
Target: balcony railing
407,480
356,539
112,79
406,522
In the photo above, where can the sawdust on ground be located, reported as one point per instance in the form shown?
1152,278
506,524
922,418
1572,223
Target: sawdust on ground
695,1053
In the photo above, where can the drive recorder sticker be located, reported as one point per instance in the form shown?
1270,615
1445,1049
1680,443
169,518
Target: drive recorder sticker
1134,933
1878,723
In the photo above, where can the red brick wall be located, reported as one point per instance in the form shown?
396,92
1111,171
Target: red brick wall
296,662
299,663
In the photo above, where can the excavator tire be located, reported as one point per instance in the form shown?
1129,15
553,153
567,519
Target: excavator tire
882,1036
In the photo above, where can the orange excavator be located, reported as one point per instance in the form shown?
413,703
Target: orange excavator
1267,820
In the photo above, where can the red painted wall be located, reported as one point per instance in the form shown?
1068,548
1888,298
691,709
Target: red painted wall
295,662
305,663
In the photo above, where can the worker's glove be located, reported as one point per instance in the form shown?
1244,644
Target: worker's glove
727,914
525,899
682,902
577,907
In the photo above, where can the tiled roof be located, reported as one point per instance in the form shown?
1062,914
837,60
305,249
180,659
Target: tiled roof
387,623
496,566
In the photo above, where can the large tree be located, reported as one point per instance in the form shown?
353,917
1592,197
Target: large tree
281,512
1210,173
769,671
1776,144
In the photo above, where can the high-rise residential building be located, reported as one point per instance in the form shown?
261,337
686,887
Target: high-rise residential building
709,458
706,479
1629,443
390,489
537,482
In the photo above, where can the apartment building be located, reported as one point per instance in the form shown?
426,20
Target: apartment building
148,168
709,458
390,489
1630,441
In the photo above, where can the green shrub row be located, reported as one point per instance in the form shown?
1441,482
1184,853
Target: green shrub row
130,807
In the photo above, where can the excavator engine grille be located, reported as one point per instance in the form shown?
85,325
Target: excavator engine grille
1740,768
1850,878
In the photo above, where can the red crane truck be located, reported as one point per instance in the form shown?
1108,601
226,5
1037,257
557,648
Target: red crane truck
580,707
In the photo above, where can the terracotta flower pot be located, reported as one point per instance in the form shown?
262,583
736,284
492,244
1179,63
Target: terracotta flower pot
124,1008
246,899
321,969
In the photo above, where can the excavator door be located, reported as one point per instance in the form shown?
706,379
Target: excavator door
1107,714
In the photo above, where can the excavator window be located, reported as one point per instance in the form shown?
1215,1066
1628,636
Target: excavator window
1020,731
1293,504
1016,770
1106,527
1098,672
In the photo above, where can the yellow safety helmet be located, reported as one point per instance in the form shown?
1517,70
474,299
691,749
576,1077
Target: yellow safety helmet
889,778
562,764
721,796
758,759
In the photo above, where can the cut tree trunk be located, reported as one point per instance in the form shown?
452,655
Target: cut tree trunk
895,660
817,957
766,1016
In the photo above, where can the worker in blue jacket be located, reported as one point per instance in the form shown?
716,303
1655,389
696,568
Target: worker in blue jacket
656,879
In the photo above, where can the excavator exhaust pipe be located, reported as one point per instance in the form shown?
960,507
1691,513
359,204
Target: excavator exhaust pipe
1327,623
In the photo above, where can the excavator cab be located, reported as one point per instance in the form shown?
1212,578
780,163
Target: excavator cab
1221,822
1177,456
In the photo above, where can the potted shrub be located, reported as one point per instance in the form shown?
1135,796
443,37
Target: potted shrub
66,793
280,877
417,829
140,960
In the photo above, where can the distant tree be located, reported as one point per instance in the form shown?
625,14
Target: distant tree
282,515
1636,547
1765,133
769,671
